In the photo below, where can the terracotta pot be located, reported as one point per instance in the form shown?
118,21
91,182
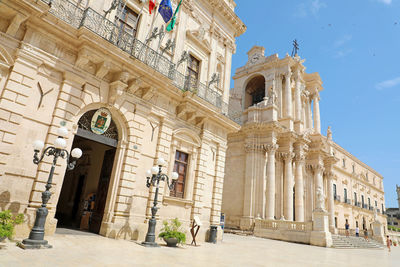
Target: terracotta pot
171,242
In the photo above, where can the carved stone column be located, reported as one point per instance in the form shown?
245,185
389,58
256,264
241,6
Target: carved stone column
299,187
318,180
288,187
270,192
331,209
278,84
288,95
317,122
298,98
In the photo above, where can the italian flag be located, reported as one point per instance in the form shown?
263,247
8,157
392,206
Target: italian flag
171,25
152,4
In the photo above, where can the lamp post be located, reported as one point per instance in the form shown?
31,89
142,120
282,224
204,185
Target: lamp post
36,236
154,176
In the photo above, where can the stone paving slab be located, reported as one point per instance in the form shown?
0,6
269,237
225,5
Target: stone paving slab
74,248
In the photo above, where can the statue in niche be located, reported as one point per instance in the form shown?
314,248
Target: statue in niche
320,203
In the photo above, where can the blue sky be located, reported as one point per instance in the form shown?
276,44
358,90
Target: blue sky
355,47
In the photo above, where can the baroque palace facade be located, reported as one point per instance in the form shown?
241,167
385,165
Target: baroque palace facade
164,94
284,179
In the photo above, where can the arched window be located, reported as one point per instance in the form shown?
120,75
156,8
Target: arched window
255,91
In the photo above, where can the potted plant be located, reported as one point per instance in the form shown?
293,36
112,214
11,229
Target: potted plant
172,233
7,223
394,243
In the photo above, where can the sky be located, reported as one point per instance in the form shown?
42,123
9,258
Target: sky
355,47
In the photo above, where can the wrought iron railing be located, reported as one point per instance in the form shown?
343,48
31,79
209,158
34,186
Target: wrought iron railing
100,25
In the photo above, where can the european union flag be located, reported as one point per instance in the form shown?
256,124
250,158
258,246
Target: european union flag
165,10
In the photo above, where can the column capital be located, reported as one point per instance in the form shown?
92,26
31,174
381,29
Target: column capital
317,168
287,156
315,96
300,157
271,148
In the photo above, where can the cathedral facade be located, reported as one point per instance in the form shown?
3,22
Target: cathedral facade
282,173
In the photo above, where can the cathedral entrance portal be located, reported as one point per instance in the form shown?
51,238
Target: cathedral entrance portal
84,191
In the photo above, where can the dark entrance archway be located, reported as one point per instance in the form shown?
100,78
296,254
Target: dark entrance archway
84,191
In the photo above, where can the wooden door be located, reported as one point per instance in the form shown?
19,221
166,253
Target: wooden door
102,189
180,166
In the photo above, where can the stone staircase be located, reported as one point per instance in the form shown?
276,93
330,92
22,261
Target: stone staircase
354,242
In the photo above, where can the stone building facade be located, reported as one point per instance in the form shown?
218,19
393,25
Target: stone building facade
393,214
281,172
166,94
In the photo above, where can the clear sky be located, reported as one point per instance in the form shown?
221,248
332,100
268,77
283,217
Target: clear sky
355,47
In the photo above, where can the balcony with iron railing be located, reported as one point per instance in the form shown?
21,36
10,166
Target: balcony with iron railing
90,19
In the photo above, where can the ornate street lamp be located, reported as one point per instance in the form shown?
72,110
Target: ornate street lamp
154,176
36,236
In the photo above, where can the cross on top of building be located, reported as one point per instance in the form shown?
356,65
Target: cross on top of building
295,47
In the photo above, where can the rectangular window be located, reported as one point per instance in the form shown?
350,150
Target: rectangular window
354,168
369,202
362,200
127,20
355,198
335,222
345,195
193,69
180,166
376,203
383,209
334,191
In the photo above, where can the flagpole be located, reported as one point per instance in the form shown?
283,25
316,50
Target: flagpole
152,22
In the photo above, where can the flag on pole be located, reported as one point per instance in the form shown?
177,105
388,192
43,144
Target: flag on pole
165,10
152,4
171,25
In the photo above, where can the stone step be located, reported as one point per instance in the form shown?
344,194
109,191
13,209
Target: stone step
354,242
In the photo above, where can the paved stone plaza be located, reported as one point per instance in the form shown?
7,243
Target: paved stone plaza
73,248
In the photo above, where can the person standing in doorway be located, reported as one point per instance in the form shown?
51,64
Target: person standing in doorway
388,242
347,226
357,231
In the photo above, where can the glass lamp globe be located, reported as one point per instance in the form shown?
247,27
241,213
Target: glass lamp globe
174,176
154,170
60,143
76,153
160,161
62,131
148,173
38,145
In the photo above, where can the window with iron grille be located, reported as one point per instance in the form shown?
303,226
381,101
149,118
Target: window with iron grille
127,19
180,166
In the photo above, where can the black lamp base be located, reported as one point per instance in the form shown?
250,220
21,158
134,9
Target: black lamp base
34,244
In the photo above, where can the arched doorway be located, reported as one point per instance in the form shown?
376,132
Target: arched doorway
84,191
255,91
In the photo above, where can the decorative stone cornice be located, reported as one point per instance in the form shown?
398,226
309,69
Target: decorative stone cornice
227,12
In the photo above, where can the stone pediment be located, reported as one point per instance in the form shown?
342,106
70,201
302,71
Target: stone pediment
198,37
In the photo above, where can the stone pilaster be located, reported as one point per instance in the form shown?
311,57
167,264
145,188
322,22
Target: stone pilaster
270,192
288,187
